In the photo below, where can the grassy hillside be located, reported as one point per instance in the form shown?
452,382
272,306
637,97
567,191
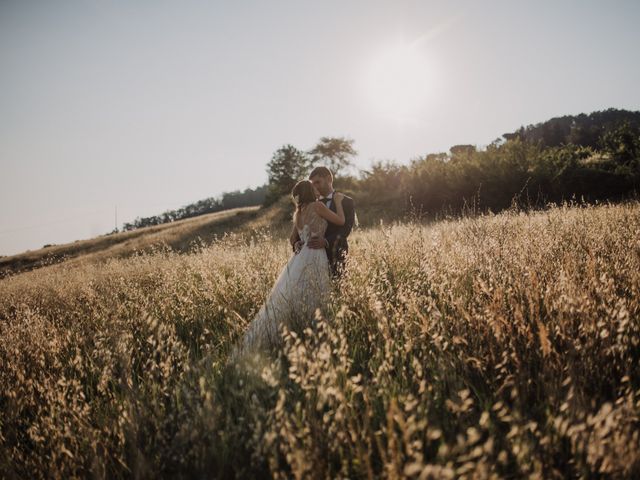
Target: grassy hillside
178,235
499,346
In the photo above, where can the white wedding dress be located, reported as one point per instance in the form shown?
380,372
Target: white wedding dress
303,286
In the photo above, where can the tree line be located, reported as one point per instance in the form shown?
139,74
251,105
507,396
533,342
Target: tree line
589,157
229,200
593,157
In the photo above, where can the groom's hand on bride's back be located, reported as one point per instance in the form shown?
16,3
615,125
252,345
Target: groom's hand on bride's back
317,242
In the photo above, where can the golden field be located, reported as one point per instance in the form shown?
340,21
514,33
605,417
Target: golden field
495,346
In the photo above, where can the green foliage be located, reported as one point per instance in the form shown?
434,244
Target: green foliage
334,153
623,144
287,166
585,130
507,173
236,199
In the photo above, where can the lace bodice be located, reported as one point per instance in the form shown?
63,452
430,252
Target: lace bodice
309,223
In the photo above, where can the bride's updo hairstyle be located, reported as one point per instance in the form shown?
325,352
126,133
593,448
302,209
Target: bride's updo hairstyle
303,193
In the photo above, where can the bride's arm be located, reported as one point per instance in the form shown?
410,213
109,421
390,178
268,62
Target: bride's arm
326,213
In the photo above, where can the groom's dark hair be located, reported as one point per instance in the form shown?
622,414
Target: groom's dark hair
322,171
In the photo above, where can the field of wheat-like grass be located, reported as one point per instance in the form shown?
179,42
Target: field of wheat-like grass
497,346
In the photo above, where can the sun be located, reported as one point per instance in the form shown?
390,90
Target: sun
399,80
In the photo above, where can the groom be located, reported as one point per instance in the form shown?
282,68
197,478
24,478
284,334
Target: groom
335,237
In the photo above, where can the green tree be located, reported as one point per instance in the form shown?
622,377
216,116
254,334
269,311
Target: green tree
287,166
334,153
462,152
622,143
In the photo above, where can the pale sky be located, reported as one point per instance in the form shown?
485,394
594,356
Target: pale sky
151,105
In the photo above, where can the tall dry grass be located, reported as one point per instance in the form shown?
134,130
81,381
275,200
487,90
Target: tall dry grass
497,346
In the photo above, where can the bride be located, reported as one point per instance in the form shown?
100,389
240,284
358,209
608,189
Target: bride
305,282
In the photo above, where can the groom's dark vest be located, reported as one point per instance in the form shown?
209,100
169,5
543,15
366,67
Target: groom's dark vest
336,235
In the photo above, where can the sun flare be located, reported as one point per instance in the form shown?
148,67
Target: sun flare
399,80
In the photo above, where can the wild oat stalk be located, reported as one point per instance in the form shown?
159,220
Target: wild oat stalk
486,347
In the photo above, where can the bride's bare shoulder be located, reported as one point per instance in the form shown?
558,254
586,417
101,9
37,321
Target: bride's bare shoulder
316,206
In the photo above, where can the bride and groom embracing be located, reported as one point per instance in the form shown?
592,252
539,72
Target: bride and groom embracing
322,222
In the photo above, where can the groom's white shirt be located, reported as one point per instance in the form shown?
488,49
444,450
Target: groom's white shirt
328,199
